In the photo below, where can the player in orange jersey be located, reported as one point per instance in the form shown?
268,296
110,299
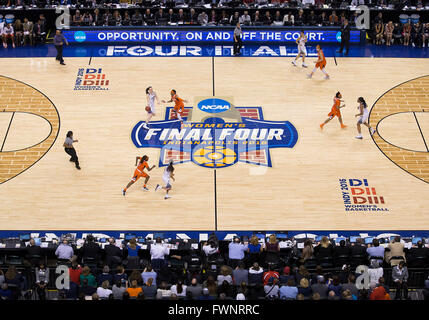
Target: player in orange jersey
320,63
178,105
141,163
335,111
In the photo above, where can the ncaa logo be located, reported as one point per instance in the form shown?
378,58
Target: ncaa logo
80,36
214,105
338,36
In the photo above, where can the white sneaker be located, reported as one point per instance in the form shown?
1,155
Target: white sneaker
304,65
309,76
294,63
157,187
327,78
372,131
359,137
145,126
167,197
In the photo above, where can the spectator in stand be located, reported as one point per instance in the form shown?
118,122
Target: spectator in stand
418,255
225,275
379,293
171,17
163,292
353,18
77,19
149,289
2,279
358,249
255,274
379,18
342,252
271,273
87,19
40,31
425,34
64,251
149,18
304,288
245,19
388,32
212,18
235,18
195,288
289,291
375,250
108,19
347,295
135,275
416,35
236,251
120,276
118,290
289,19
351,286
240,275
19,31
324,249
382,282
113,254
147,273
34,253
193,17
105,276
301,273
272,249
278,19
103,291
425,291
134,290
98,19
406,33
28,31
42,280
203,18
126,21
300,19
160,17
179,289
254,249
117,19
133,254
74,273
397,34
5,292
312,19
86,275
375,271
137,18
90,249
211,285
333,19
8,34
284,277
335,285
400,278
210,249
307,251
394,249
257,19
226,289
14,280
323,20
271,289
320,287
181,17
378,33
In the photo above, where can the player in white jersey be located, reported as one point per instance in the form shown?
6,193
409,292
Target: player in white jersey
150,108
167,175
363,117
302,50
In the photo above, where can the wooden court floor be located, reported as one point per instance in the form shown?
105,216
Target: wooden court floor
301,190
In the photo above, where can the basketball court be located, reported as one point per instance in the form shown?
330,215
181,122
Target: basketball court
301,190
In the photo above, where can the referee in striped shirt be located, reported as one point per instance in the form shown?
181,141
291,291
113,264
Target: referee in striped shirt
70,150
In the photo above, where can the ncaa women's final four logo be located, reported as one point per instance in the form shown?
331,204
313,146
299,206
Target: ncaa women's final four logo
215,134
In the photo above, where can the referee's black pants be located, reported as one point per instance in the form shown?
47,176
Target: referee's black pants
237,45
72,152
59,53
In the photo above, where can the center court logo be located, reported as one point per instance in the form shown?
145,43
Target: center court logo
214,105
235,134
80,36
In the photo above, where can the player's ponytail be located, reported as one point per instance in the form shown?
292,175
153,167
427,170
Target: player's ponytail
362,101
337,94
147,90
170,166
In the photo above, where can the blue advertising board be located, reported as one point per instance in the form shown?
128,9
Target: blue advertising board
204,35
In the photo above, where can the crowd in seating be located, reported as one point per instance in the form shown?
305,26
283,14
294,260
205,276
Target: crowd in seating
243,271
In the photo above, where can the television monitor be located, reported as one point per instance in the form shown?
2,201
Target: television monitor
318,238
260,236
25,237
129,236
158,234
416,239
102,240
281,235
353,239
337,240
37,241
368,240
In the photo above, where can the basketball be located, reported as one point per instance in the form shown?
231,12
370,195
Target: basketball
147,108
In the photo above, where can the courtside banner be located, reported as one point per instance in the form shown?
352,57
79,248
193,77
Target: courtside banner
204,35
